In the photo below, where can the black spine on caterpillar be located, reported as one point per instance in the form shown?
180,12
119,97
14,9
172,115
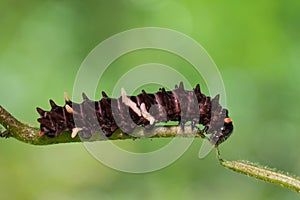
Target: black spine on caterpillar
127,112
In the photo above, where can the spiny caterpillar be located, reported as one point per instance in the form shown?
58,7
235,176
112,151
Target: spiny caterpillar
109,114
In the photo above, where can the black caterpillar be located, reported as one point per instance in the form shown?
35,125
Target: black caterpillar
127,112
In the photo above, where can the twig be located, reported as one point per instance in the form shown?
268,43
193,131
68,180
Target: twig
264,173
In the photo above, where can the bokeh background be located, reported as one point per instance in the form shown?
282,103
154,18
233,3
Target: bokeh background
255,44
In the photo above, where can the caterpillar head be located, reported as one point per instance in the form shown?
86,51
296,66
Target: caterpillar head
222,133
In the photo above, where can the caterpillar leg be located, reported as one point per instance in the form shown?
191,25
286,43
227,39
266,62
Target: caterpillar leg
200,132
193,125
204,129
182,125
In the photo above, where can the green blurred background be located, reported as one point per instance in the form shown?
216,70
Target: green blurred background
255,44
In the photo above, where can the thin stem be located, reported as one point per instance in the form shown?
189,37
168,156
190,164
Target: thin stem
264,173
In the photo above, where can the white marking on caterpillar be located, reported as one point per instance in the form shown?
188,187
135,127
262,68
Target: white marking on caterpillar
147,115
128,102
67,99
75,131
69,109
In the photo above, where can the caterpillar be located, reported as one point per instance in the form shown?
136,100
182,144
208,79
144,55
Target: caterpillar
126,112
